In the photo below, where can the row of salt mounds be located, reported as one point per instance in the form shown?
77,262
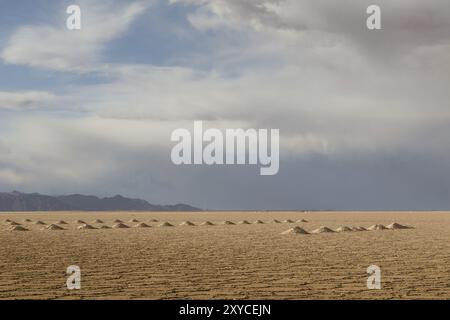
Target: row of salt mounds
392,226
288,221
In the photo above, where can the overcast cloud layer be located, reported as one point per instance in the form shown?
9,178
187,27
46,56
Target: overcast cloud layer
364,116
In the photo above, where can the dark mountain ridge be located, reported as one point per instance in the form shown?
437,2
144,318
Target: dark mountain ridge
17,201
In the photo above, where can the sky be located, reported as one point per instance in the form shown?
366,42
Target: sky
364,115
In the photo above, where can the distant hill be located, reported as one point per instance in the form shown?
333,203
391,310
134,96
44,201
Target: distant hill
17,201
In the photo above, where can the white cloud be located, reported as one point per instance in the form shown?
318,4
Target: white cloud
25,100
56,47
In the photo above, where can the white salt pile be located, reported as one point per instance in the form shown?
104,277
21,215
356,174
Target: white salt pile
396,225
322,230
187,223
141,225
377,227
53,227
343,229
165,224
120,226
228,223
17,228
86,227
295,230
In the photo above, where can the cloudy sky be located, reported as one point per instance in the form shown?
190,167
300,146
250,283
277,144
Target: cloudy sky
364,116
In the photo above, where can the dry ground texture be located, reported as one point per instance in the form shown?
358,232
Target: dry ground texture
226,261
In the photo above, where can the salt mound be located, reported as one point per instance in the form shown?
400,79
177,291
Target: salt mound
120,226
276,221
39,222
288,221
141,225
105,227
377,227
187,223
207,223
86,227
7,221
118,221
258,222
302,220
133,220
61,222
17,228
295,230
359,229
98,221
323,230
228,223
26,220
343,229
13,223
243,222
53,227
165,224
396,225
80,221
153,220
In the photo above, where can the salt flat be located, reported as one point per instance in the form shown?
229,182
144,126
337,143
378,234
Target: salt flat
225,261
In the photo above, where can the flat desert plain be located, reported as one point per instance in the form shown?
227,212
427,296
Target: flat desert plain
225,261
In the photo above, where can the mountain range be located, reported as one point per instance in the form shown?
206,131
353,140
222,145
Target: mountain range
17,201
